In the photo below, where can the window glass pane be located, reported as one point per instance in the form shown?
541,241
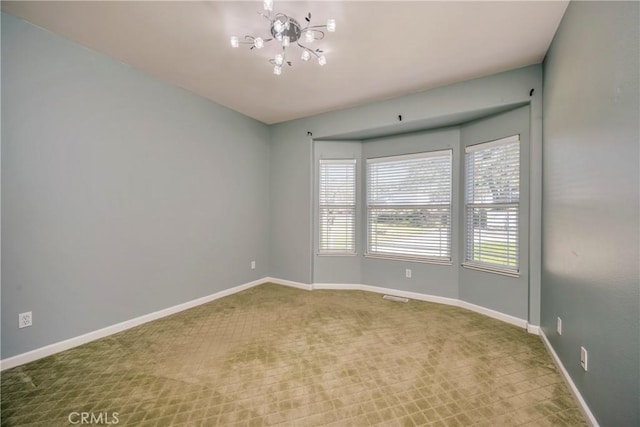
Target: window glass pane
411,182
337,229
418,232
337,206
492,193
337,183
409,206
493,175
493,236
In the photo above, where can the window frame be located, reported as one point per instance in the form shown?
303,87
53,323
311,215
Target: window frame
484,265
326,252
369,206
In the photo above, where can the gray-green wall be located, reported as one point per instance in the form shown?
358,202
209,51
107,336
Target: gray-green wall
590,264
121,194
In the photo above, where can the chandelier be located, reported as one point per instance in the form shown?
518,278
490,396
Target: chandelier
288,32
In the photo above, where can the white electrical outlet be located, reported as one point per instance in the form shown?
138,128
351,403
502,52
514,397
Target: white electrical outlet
559,326
584,358
407,273
25,319
253,265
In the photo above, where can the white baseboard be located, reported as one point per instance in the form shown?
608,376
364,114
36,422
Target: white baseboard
290,283
54,348
494,314
429,298
533,329
387,291
572,386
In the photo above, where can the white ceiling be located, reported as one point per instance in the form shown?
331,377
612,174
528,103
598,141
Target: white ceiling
380,49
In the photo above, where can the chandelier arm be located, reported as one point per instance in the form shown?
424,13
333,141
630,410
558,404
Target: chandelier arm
308,50
315,31
319,32
272,61
251,40
284,57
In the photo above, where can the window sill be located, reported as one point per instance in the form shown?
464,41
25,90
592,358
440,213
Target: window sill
508,273
407,259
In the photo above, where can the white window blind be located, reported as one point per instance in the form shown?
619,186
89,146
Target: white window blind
337,206
492,196
409,206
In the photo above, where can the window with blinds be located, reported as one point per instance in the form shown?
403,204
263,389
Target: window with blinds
409,206
337,207
492,200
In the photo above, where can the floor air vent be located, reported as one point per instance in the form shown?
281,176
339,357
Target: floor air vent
395,298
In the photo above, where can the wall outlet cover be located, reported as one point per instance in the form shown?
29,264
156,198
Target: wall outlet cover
559,326
584,358
407,273
25,319
253,265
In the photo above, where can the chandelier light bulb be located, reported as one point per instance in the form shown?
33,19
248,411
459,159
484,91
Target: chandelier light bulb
331,25
305,55
277,70
322,60
285,41
279,59
234,41
309,37
258,43
278,26
268,5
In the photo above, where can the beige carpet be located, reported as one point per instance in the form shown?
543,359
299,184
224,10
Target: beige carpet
278,355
